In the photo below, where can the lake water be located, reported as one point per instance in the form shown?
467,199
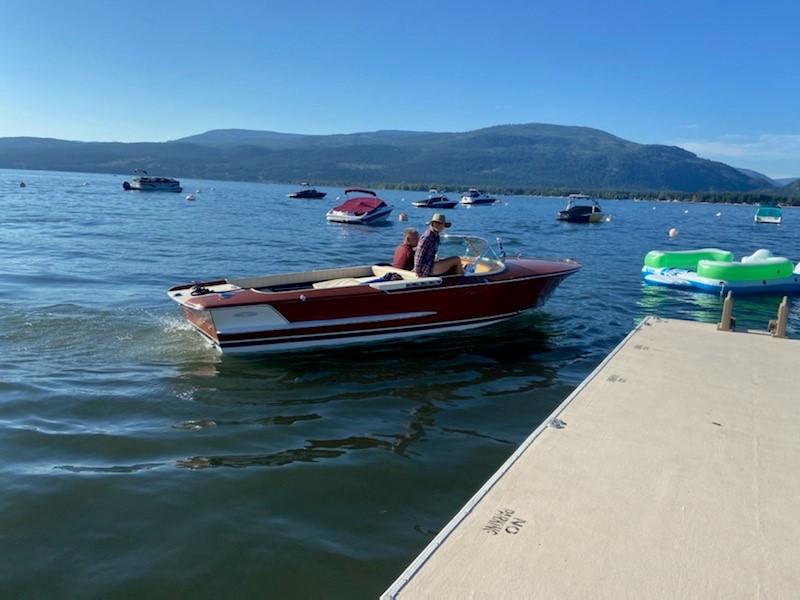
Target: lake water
137,461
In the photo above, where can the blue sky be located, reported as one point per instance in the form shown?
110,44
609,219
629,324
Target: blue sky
721,79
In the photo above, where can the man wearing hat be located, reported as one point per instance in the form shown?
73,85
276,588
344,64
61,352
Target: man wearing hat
425,263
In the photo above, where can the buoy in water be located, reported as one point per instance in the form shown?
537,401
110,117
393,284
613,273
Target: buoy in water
719,214
21,184
686,212
190,197
673,233
402,217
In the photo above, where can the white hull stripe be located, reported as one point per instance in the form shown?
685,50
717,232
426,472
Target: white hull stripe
385,331
368,337
332,322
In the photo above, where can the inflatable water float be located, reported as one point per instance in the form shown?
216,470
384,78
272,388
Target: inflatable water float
714,270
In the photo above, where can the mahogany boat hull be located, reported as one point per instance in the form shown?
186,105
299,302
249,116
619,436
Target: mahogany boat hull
258,320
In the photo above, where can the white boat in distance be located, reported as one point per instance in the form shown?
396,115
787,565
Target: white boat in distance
768,214
473,196
434,200
145,183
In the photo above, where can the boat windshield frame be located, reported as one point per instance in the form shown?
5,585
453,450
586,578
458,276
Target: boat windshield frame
467,246
588,202
349,191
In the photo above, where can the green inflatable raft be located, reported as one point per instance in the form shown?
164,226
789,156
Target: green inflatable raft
768,268
714,270
684,259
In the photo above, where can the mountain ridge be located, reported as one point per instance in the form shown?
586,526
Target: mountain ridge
530,155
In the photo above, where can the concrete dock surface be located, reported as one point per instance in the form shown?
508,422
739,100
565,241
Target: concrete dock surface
672,471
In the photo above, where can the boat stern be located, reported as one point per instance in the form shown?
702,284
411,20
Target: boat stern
196,313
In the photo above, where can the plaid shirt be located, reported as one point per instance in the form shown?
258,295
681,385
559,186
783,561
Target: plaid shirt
426,253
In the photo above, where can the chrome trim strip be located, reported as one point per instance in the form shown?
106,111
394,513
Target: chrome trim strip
365,332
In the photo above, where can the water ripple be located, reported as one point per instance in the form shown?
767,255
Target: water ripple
116,418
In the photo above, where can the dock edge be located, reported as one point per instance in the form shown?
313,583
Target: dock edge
405,577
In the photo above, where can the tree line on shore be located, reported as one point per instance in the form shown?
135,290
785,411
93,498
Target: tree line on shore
788,196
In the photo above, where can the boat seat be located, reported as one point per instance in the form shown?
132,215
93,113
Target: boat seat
342,282
381,270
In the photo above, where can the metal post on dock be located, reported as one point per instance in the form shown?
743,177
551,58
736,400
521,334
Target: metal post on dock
728,322
777,327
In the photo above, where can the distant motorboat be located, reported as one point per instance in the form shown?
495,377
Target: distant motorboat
307,194
768,214
581,208
473,196
145,183
363,209
434,200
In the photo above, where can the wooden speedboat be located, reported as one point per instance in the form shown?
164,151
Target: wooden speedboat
367,303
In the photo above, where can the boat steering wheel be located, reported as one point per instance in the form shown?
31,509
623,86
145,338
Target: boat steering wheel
470,268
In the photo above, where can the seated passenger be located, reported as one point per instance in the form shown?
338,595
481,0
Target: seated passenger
425,263
404,254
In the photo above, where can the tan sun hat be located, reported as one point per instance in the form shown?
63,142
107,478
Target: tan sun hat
439,218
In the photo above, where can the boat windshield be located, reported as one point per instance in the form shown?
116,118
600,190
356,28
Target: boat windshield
583,202
478,257
357,191
769,211
466,246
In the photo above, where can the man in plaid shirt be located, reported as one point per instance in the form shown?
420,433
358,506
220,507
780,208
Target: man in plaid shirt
425,263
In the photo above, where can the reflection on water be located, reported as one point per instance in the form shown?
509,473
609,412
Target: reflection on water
750,311
266,460
419,378
481,352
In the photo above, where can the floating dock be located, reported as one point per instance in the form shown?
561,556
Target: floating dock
672,471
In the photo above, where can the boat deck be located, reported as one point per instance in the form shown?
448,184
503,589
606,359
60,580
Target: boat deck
672,471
